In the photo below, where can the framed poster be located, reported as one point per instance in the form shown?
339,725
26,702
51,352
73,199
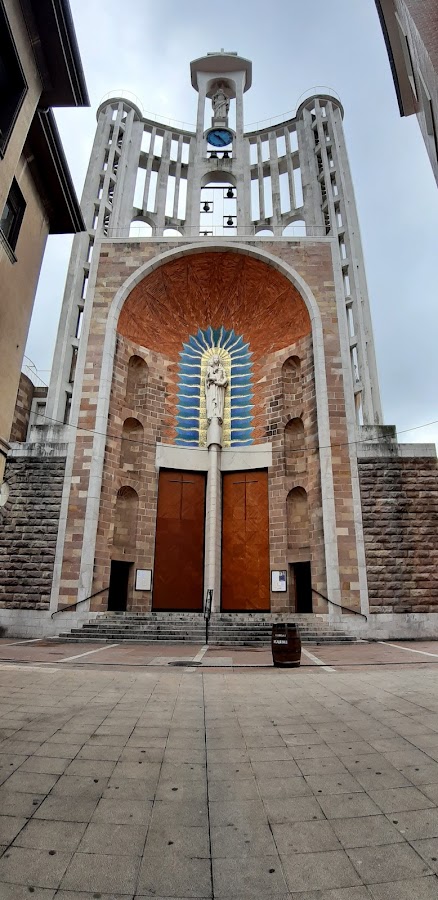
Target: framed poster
278,581
143,579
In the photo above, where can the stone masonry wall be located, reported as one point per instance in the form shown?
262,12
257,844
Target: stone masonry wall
400,522
28,531
420,20
270,335
23,404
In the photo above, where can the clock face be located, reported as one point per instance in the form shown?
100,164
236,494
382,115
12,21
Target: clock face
219,137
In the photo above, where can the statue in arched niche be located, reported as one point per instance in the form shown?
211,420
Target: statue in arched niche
215,386
220,103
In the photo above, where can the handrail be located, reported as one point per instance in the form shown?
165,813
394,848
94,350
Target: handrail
339,605
74,605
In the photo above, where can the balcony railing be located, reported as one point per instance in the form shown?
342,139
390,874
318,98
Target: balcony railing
240,231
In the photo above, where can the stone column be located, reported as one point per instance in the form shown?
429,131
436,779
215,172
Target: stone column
213,514
215,387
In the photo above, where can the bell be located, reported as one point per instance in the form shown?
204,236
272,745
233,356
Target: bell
225,155
213,154
206,207
230,220
230,193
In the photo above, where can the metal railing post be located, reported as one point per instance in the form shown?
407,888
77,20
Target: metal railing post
207,611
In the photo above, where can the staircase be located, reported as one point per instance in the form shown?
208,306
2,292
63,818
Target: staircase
232,629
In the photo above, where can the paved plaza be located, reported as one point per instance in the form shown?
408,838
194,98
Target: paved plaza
124,776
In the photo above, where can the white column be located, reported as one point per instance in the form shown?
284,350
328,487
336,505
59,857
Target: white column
213,514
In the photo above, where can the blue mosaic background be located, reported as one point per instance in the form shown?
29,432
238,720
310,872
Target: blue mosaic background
189,386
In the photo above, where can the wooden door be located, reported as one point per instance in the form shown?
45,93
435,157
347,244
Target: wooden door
179,542
245,542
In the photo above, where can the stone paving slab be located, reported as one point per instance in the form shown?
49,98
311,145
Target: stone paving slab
158,782
100,655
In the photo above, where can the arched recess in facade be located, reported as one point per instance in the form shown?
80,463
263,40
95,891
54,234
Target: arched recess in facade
312,313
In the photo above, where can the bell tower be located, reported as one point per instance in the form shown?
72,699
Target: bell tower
220,152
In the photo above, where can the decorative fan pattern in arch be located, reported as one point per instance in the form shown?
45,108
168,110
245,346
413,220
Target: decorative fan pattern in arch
236,359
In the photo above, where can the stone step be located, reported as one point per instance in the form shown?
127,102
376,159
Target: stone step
215,637
81,639
190,638
225,629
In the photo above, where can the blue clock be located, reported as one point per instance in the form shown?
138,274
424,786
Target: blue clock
219,137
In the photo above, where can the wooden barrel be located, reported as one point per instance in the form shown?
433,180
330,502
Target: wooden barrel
286,644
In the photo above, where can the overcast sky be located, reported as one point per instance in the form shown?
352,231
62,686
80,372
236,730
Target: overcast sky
145,46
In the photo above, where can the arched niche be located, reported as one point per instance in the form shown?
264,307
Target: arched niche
218,205
137,384
125,518
171,232
294,447
298,523
291,382
131,445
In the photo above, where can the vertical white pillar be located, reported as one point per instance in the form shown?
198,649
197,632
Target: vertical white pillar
213,514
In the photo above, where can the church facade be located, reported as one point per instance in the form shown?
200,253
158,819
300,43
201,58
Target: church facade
213,423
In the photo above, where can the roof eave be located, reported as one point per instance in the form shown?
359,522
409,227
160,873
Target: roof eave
53,40
51,174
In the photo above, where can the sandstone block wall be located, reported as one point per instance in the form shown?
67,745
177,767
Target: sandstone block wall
28,531
163,310
400,521
20,422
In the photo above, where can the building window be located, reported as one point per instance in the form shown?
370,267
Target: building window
12,216
406,50
426,105
13,84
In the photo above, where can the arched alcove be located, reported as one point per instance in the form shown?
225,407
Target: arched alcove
218,210
294,451
291,382
298,524
131,445
125,518
137,384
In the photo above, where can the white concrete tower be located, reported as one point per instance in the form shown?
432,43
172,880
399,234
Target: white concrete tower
219,152
328,201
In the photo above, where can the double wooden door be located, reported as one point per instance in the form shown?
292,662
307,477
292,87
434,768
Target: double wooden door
245,542
179,542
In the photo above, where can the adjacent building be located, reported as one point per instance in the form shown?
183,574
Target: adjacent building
410,29
40,68
216,377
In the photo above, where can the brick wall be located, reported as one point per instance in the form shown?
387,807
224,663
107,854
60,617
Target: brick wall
420,21
400,521
28,531
425,15
23,404
161,312
143,401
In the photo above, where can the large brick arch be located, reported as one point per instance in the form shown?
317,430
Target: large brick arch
229,289
211,288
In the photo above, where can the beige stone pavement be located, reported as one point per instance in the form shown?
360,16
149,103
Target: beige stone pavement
170,783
